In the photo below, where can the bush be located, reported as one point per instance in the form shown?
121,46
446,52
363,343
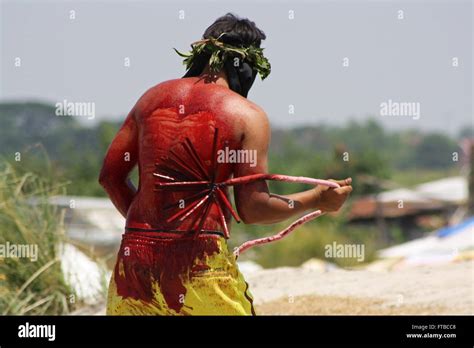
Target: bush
29,286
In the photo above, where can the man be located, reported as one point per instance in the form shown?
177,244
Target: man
174,258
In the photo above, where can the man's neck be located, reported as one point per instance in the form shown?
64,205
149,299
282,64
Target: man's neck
219,78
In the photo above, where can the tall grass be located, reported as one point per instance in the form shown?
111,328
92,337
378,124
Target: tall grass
29,287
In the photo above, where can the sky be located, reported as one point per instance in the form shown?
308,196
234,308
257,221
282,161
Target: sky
332,61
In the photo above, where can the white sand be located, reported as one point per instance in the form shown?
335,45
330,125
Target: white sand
449,285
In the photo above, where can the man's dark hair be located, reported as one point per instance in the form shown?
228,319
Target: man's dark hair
234,31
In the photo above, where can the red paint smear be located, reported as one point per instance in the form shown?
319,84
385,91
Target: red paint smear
166,258
163,126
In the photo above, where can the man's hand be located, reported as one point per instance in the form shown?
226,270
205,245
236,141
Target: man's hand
330,199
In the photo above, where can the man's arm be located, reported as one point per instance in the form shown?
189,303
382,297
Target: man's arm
255,203
119,161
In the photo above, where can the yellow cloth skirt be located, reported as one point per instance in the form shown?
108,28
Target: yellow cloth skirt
170,274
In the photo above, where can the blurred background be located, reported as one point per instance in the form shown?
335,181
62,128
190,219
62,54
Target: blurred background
335,67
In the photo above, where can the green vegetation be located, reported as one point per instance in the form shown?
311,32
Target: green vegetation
31,285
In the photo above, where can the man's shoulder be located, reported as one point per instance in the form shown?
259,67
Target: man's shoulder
237,104
155,95
162,87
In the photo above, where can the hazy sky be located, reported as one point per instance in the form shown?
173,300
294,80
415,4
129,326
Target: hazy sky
403,60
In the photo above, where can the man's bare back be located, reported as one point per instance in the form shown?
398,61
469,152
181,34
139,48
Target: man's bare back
163,117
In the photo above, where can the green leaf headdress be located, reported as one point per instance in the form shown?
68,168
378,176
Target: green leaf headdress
220,51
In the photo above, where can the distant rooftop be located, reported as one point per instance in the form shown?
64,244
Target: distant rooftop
432,195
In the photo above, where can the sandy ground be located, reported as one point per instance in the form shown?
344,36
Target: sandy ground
332,305
442,289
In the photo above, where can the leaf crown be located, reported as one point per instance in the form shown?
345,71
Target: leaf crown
220,51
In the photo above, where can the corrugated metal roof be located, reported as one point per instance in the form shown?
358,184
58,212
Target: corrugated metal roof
404,201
